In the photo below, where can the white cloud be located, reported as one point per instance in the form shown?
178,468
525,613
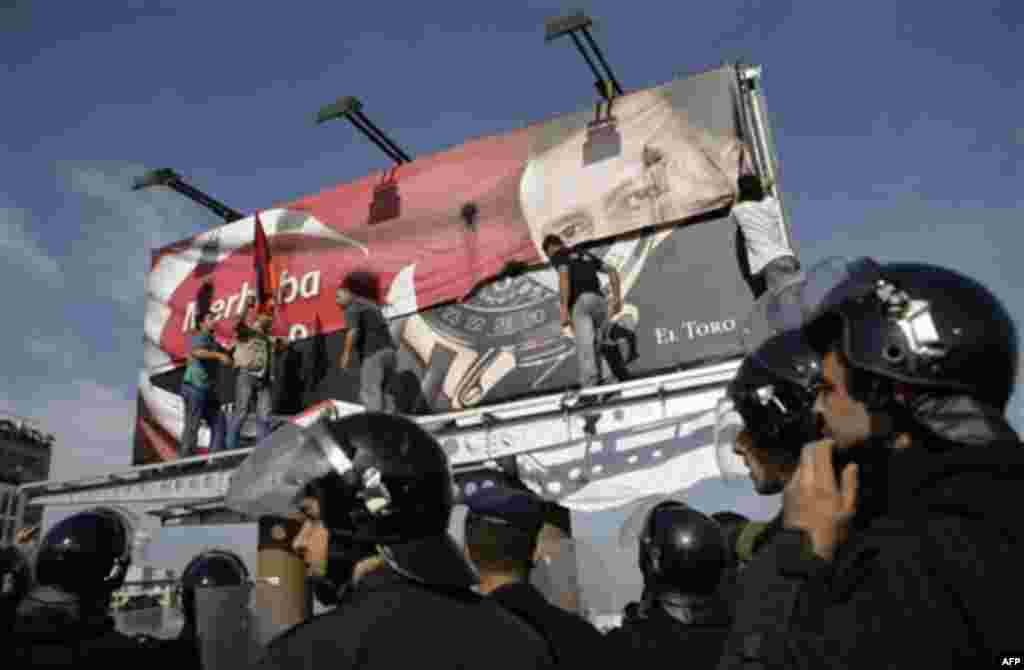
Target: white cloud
19,249
126,225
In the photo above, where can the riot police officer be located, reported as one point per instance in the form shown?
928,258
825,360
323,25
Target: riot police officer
683,558
376,492
64,618
15,577
502,531
212,568
775,406
899,514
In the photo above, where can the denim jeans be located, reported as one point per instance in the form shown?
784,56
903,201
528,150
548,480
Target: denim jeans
247,389
589,313
201,405
375,380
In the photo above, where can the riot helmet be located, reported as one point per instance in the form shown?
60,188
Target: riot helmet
680,549
87,554
772,396
777,408
384,482
920,325
210,568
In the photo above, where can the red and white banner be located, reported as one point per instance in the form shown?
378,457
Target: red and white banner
670,155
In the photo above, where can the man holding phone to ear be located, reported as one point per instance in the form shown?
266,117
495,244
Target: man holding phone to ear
897,537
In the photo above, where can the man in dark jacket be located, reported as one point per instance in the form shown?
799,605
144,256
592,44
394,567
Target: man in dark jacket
502,530
375,492
775,404
899,547
15,579
64,621
682,615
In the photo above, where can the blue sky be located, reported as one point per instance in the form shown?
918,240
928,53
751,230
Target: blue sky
898,126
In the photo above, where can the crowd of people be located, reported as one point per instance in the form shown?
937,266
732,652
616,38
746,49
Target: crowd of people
873,398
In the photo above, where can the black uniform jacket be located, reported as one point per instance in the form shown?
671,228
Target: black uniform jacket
928,581
654,637
572,639
387,621
47,633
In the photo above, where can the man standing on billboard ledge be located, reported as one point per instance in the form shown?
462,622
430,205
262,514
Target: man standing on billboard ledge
368,331
253,356
585,310
197,389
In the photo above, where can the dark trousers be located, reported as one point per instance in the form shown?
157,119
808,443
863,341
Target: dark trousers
201,405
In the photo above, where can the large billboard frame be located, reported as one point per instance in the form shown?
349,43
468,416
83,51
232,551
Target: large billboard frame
753,128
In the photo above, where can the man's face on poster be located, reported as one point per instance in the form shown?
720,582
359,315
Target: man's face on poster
667,170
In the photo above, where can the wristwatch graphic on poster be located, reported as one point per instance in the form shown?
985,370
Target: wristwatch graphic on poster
508,329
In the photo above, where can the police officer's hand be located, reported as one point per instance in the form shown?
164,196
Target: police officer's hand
26,535
814,502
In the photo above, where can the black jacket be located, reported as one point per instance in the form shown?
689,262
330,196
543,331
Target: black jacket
925,580
50,631
573,640
749,609
650,636
180,653
387,621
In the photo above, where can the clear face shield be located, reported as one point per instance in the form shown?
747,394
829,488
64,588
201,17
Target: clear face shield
825,286
232,630
728,426
271,481
563,571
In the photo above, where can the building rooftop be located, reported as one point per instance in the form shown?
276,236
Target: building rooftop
24,428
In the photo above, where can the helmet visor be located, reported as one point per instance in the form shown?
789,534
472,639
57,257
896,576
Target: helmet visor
826,285
728,425
836,280
773,313
272,479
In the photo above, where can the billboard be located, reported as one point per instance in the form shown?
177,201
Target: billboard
645,183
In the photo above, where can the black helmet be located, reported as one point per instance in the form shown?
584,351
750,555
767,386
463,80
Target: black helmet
382,481
925,326
210,568
774,393
398,494
86,554
683,549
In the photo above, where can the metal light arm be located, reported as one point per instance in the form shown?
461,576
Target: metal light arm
350,108
171,179
571,25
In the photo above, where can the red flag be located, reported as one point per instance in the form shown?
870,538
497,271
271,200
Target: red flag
266,278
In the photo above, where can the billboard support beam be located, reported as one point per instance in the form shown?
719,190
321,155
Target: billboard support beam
171,179
579,22
350,108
